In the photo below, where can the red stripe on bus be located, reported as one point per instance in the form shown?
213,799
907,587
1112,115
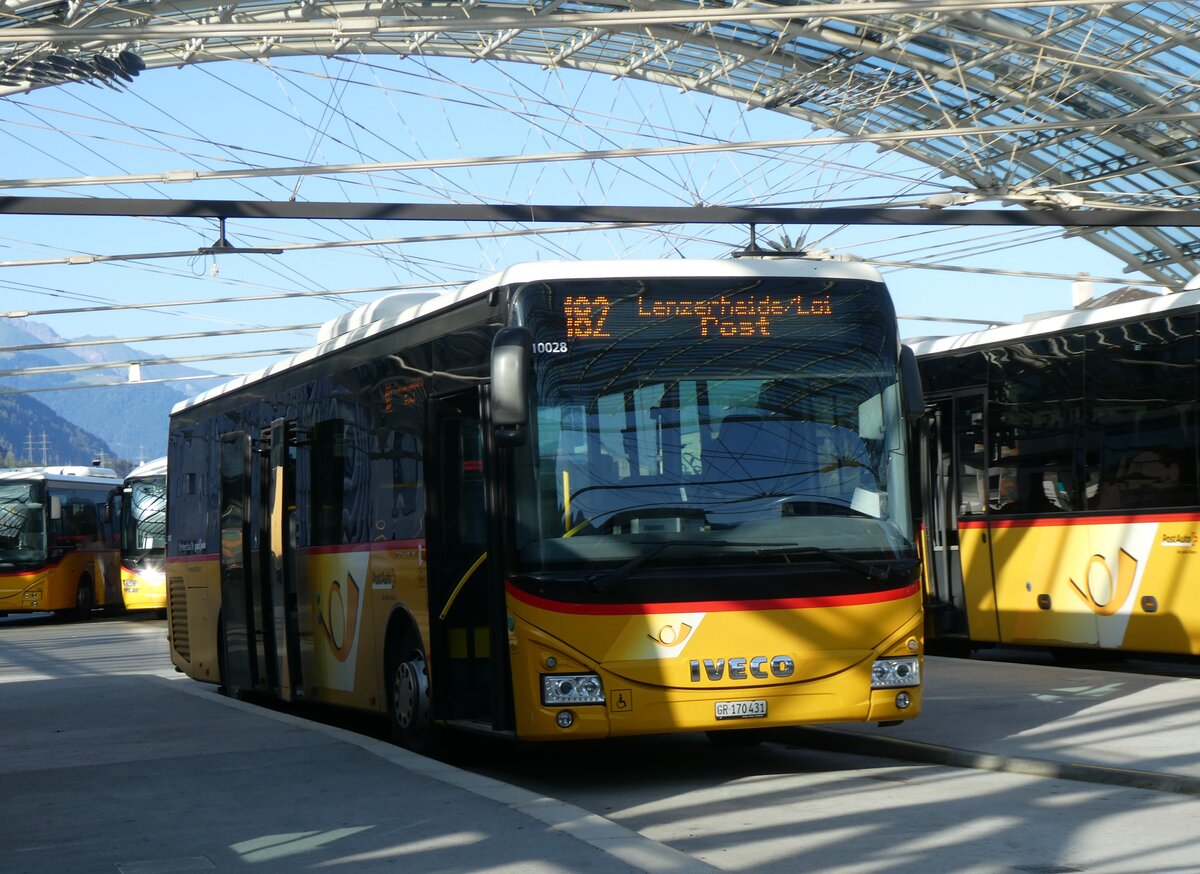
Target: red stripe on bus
1059,521
374,546
55,564
377,546
711,606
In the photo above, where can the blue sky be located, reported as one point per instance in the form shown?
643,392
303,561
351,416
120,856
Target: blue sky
235,115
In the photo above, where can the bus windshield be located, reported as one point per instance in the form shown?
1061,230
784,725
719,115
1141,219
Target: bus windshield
145,531
22,524
734,423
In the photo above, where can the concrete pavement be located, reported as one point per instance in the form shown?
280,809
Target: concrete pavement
126,766
150,775
1124,729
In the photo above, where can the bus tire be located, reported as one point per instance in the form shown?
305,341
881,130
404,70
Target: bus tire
85,597
410,718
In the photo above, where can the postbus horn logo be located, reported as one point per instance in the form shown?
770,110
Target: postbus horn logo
339,626
1099,591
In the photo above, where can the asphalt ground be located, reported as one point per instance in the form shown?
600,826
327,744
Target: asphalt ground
113,762
1136,730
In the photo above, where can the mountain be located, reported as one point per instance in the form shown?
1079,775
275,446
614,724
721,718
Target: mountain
80,423
32,433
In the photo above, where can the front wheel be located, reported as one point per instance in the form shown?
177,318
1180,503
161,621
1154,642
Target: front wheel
409,711
85,598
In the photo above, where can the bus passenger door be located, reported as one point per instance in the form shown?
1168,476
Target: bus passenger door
461,602
277,560
238,630
962,596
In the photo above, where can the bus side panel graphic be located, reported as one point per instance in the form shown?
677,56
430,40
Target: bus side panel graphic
1111,584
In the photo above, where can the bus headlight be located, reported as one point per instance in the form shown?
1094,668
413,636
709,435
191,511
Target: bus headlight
571,689
891,673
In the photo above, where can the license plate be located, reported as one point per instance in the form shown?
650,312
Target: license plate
753,709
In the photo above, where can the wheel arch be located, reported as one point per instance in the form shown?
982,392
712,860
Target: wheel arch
401,626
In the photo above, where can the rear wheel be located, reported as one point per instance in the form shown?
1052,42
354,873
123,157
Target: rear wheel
409,711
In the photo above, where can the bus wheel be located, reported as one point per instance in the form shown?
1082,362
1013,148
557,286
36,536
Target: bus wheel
409,713
85,597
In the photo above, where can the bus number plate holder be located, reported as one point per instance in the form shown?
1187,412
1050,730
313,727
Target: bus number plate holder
752,709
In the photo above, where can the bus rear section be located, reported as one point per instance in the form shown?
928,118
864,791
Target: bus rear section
58,542
1063,509
571,501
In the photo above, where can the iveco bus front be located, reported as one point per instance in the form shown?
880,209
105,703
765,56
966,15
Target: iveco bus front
711,517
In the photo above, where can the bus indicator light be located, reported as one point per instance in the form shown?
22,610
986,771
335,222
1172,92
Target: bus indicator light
572,689
890,673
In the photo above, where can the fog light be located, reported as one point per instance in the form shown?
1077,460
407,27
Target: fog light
890,673
902,701
571,689
565,719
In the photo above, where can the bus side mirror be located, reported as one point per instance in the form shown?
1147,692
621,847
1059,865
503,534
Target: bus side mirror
910,377
55,507
512,369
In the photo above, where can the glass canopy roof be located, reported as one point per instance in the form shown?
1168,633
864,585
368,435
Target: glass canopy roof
1077,105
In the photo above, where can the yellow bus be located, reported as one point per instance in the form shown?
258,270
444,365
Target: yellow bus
1063,510
58,544
573,500
142,510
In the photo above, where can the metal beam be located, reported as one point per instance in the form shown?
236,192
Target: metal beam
534,213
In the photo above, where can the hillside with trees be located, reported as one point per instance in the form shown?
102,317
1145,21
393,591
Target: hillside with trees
64,421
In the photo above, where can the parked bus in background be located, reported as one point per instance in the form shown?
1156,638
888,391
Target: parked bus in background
574,500
58,542
142,509
1063,509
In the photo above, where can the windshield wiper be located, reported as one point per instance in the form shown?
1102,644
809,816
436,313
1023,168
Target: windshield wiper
603,582
874,571
877,571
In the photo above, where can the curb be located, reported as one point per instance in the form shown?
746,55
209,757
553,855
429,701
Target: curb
834,740
629,847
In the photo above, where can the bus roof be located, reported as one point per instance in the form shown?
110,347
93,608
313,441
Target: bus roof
1057,323
59,474
403,307
154,467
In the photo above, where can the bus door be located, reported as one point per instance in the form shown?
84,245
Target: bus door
960,560
467,649
277,560
239,632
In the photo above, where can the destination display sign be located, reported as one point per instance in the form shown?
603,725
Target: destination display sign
705,315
